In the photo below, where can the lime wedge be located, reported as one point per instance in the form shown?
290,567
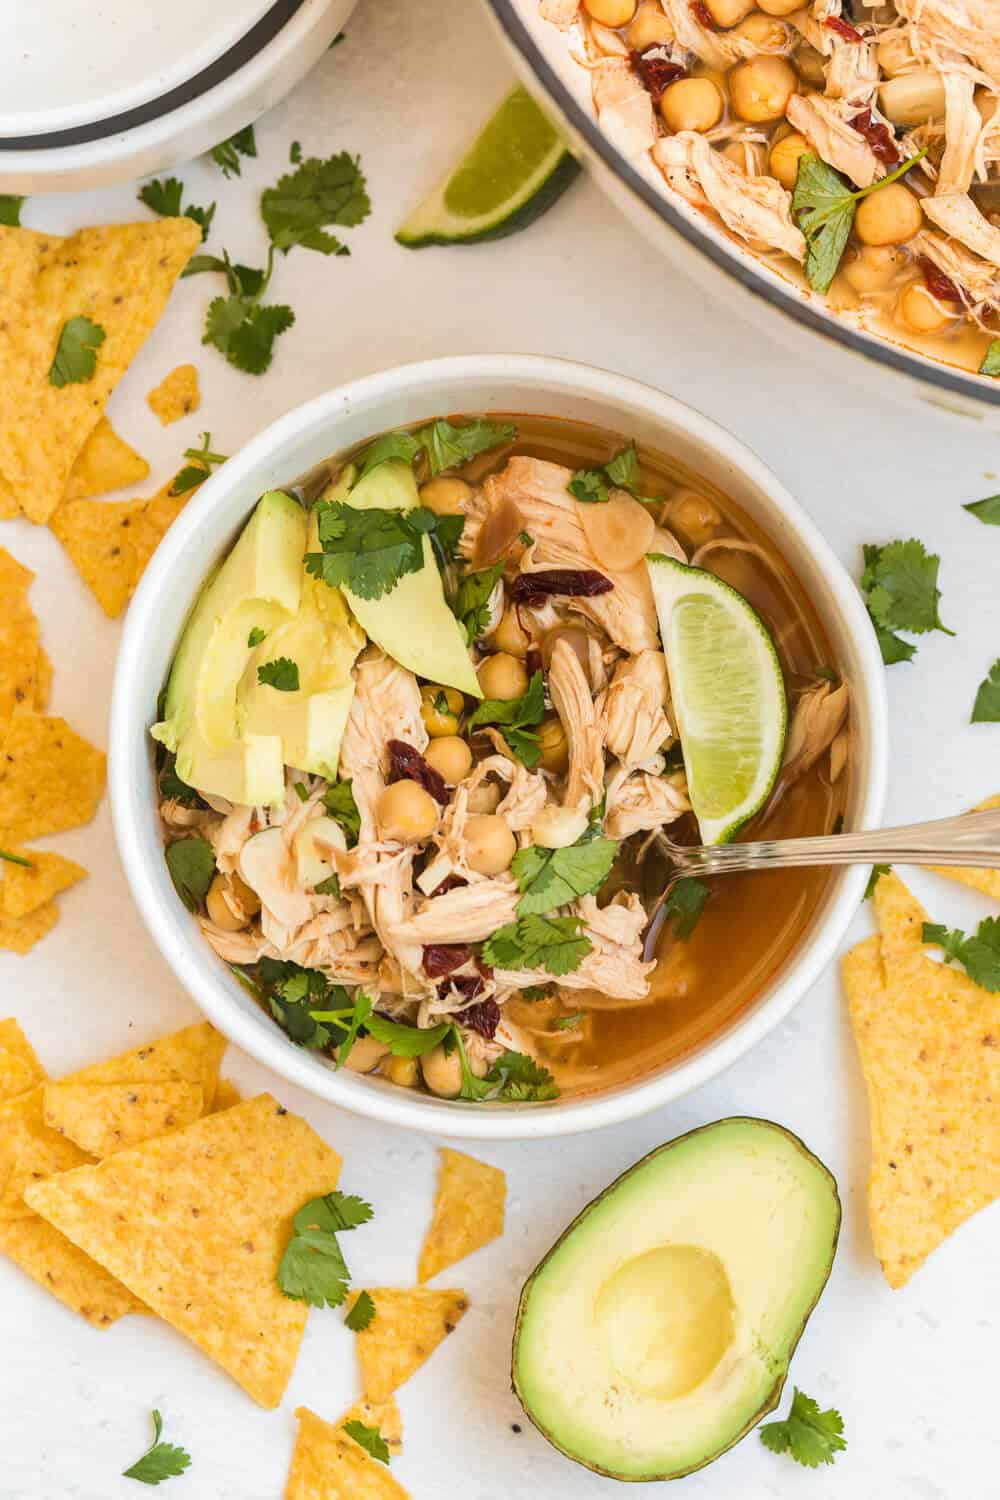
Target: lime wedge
728,694
514,170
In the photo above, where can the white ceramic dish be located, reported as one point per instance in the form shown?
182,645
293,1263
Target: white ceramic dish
725,270
335,421
100,95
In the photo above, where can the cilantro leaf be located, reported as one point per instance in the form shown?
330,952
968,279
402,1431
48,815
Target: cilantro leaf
75,359
590,486
876,875
317,193
988,510
191,863
281,673
295,153
534,992
447,446
516,717
685,905
160,1461
978,955
406,1041
339,802
810,1436
368,1438
256,636
899,586
623,469
368,551
401,445
163,196
991,359
328,887
312,1268
228,152
555,944
245,281
986,709
472,600
549,878
361,1313
893,648
10,209
187,479
177,790
307,1007
513,1076
824,206
197,472
245,330
593,486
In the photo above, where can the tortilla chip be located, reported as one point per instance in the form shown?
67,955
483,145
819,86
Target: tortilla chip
468,1212
385,1415
226,1095
58,1266
106,1117
328,1465
987,881
160,512
50,778
19,648
24,889
43,681
189,1056
119,276
105,462
20,934
9,508
195,1223
20,1069
408,1325
929,1042
176,396
29,1151
97,534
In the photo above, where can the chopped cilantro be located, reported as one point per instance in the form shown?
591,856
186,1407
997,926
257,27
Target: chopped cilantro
824,207
979,955
548,878
899,586
590,486
177,790
195,473
227,153
295,153
513,1076
876,875
160,1461
685,905
15,859
311,1010
534,992
406,1041
986,709
368,1438
472,600
369,551
555,944
339,802
991,359
810,1436
10,209
256,636
569,1023
444,444
526,539
281,673
244,330
191,863
316,194
516,717
163,196
312,1268
988,510
361,1313
301,791
75,359
594,486
328,887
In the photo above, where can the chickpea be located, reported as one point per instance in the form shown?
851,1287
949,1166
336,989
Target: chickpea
761,87
406,813
510,635
445,496
554,746
440,709
889,217
784,158
450,756
401,1070
778,7
765,32
872,268
490,845
649,28
693,515
503,676
484,798
611,12
691,104
442,1072
810,64
918,310
365,1055
218,908
727,13
245,894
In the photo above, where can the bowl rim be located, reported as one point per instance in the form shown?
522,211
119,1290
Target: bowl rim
739,265
204,975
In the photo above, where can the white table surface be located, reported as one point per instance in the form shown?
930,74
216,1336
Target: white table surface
912,1371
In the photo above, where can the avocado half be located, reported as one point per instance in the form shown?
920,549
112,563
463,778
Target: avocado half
659,1328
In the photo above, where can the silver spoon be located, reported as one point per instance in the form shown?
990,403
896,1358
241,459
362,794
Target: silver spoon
973,839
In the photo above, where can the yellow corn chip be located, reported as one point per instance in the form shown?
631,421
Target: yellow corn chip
62,1269
226,1095
19,649
408,1325
468,1212
24,889
117,275
98,535
9,508
50,778
20,934
176,395
29,1151
160,512
385,1415
189,1056
327,1465
43,681
20,1069
104,463
195,1223
13,575
929,1042
987,881
106,1117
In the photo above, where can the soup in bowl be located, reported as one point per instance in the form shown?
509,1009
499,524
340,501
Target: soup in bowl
468,649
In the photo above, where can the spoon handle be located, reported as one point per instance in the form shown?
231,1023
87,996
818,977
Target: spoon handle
972,839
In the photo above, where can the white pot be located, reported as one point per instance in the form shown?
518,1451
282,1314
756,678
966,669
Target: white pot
338,420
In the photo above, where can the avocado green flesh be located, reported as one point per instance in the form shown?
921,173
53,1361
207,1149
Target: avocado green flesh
659,1328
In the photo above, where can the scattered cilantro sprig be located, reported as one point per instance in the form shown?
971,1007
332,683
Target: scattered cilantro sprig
824,207
986,709
978,955
369,551
548,878
594,486
312,1268
318,193
368,1438
10,209
516,718
75,359
444,444
339,802
203,461
164,197
988,510
685,905
406,1041
191,864
876,875
810,1436
900,589
160,1461
361,1314
282,673
227,153
555,944
472,599
513,1077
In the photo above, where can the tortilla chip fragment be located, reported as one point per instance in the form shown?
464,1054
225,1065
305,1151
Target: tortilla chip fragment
62,1269
106,1117
195,1223
468,1212
111,541
226,1095
20,1069
192,1055
51,778
929,1042
407,1327
19,648
43,681
176,396
384,1415
20,934
105,462
987,881
29,1151
328,1465
24,889
119,276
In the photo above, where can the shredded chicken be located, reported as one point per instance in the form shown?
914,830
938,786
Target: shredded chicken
643,800
561,13
631,712
469,914
624,106
959,217
818,718
824,123
573,703
978,280
757,209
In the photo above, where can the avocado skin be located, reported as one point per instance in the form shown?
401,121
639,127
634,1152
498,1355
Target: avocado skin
774,1396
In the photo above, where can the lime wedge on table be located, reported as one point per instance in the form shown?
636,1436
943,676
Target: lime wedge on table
514,170
728,694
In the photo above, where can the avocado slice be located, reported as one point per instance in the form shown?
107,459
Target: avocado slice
658,1330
